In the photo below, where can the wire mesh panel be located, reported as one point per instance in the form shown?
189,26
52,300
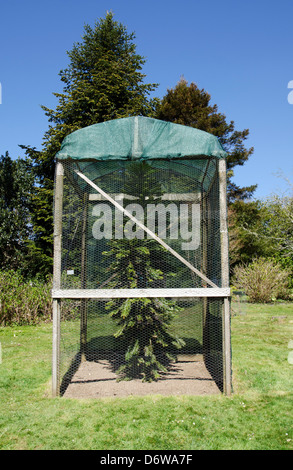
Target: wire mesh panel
162,233
198,367
170,200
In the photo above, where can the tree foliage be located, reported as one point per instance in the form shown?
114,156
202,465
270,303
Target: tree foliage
16,182
143,323
274,231
245,219
188,105
277,227
103,81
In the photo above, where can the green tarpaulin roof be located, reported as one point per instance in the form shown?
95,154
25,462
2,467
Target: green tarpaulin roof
139,138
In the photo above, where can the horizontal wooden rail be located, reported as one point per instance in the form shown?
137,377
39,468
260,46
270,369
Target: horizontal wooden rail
138,293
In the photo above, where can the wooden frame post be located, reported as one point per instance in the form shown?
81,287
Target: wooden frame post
204,266
58,205
83,307
56,348
225,277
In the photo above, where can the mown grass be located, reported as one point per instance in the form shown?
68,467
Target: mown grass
257,416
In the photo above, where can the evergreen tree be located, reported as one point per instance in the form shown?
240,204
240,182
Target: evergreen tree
144,322
16,182
188,105
103,81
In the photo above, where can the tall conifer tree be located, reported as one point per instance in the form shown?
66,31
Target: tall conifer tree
103,81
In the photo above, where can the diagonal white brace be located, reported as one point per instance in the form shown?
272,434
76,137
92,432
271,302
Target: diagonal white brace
146,229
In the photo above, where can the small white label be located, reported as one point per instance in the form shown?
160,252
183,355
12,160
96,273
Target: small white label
70,272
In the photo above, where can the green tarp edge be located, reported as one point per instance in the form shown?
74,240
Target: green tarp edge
139,138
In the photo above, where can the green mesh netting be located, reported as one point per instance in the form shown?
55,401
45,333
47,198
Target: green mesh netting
169,146
139,138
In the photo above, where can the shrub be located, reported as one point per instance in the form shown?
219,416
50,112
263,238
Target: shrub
23,302
262,280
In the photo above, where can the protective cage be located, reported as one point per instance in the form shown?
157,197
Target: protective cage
141,283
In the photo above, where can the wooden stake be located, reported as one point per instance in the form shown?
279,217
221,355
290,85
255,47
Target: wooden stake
204,248
58,205
56,348
83,308
225,276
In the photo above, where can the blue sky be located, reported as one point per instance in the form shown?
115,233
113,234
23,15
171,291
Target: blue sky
239,52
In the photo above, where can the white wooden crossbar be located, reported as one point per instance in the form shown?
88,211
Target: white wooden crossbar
139,293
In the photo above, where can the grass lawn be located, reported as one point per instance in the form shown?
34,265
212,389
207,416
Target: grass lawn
257,416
